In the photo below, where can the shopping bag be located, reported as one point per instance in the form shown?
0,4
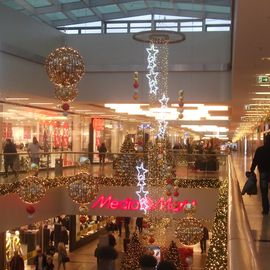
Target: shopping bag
250,186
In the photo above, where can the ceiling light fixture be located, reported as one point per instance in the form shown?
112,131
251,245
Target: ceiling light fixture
16,98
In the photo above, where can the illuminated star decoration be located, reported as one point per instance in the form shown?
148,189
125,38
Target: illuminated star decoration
162,122
142,193
152,75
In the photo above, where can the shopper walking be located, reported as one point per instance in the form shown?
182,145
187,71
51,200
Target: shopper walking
33,150
139,224
119,224
62,256
126,224
9,156
204,240
262,160
102,153
50,265
16,262
40,261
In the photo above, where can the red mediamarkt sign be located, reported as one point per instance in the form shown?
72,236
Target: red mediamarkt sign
163,204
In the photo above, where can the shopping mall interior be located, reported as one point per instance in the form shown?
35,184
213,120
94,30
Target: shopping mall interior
128,127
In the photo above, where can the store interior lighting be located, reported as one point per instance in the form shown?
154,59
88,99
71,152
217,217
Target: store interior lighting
192,112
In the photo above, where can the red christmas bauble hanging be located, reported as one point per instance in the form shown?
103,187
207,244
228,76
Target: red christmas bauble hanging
136,84
169,181
176,194
83,219
151,240
65,106
30,209
168,193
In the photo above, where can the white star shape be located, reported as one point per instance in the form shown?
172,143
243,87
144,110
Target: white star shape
164,101
152,50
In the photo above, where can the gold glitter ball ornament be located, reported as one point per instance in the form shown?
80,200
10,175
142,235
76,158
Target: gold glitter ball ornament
189,231
64,66
66,93
31,189
82,188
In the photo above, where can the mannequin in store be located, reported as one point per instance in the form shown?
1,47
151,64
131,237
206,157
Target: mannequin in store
16,262
9,148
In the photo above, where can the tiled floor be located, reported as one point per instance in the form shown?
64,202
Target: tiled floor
259,224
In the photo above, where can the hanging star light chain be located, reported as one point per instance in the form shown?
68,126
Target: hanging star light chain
162,122
152,74
142,193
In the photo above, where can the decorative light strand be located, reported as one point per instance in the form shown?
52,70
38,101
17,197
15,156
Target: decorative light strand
142,193
152,75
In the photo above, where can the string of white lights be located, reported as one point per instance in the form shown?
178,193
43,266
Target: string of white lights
152,74
142,193
162,122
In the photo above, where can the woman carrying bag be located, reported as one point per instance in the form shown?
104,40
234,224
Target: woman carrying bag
62,256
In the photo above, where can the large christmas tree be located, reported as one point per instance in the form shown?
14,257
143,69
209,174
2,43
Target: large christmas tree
131,259
125,163
173,256
159,161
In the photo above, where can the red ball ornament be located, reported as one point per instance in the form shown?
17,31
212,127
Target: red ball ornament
151,240
168,193
136,84
83,219
176,194
30,209
65,106
169,181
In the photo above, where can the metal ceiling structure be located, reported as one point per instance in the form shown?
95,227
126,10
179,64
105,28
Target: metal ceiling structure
67,12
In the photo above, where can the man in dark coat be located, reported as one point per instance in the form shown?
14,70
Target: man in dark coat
262,160
9,149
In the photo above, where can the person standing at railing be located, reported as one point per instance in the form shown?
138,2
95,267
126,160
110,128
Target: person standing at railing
102,153
10,151
33,150
262,160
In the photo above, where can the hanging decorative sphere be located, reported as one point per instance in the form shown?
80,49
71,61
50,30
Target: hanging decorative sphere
66,93
33,170
30,209
180,116
64,66
135,96
189,231
82,188
136,84
83,210
83,219
31,189
65,106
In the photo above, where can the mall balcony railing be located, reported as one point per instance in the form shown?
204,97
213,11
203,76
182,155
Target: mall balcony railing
171,164
241,247
192,170
109,27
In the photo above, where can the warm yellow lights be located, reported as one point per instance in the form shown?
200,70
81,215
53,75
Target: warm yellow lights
206,128
265,98
262,93
192,112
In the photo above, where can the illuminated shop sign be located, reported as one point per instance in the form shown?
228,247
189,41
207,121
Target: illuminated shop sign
129,204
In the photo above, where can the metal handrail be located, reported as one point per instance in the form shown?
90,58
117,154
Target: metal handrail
241,248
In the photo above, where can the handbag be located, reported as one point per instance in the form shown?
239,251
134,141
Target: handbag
250,186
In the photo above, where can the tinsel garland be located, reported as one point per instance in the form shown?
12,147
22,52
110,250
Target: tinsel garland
109,181
218,253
